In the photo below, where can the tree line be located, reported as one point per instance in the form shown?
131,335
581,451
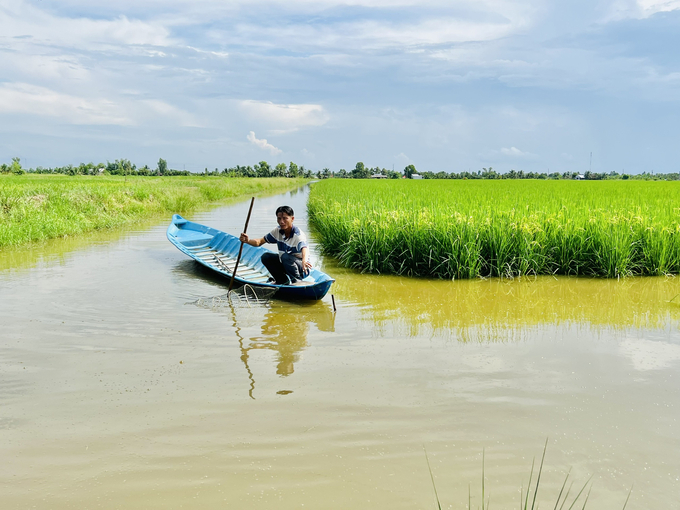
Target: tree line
125,167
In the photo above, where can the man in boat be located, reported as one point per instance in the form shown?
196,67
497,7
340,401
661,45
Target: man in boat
292,262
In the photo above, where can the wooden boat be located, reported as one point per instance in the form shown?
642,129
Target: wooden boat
218,251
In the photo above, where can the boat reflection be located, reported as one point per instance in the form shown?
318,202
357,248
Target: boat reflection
280,327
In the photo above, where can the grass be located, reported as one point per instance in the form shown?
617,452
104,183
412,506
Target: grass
40,207
525,503
467,229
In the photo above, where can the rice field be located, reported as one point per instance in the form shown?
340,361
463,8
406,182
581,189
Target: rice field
468,229
40,207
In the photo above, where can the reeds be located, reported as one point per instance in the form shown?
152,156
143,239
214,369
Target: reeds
528,500
39,207
466,229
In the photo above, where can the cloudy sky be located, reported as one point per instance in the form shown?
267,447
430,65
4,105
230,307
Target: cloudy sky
444,84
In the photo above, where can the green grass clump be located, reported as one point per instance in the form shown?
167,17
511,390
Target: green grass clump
466,229
40,207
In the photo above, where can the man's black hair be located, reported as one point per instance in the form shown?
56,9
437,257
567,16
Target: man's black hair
287,210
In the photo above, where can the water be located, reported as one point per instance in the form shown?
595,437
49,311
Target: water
116,392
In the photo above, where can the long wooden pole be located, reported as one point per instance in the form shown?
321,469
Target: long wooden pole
238,259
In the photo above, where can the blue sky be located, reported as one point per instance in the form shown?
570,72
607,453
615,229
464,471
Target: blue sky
445,85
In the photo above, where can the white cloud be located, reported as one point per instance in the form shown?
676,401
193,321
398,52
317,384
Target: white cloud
33,25
41,66
365,35
263,144
284,117
29,99
515,152
158,108
641,8
403,159
649,7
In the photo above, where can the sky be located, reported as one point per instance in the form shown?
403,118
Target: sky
453,86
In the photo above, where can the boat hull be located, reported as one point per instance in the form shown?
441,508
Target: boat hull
218,251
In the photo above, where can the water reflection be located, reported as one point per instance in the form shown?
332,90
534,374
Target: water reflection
59,250
501,309
280,327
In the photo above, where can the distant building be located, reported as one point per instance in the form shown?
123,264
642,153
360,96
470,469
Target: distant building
378,176
580,177
416,176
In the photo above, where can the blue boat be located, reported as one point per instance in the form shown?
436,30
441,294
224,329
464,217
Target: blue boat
218,251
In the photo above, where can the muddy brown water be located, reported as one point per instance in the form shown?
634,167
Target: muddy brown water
116,392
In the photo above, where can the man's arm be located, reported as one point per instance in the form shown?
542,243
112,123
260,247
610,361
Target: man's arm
306,264
252,242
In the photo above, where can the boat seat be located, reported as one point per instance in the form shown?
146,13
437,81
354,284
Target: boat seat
195,239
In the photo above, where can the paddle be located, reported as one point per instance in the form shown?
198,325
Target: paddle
238,259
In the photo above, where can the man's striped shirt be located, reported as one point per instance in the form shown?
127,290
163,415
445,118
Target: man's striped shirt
292,244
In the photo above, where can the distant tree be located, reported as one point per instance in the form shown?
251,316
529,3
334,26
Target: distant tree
360,171
15,167
162,167
325,173
124,167
293,170
489,173
262,169
342,174
409,171
280,170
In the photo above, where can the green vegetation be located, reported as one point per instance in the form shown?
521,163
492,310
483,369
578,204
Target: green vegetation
38,207
466,229
126,168
13,168
360,171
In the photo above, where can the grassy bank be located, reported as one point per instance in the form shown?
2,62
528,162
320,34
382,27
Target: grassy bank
465,229
38,207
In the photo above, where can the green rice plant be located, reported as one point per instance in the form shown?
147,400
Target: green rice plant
40,207
468,229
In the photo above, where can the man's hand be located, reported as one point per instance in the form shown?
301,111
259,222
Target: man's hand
306,267
244,238
306,264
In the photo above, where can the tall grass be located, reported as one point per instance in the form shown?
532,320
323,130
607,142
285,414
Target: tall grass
465,229
39,207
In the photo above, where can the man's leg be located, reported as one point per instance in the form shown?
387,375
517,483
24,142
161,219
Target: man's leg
292,266
273,264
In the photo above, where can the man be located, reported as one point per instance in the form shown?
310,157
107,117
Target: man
292,262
